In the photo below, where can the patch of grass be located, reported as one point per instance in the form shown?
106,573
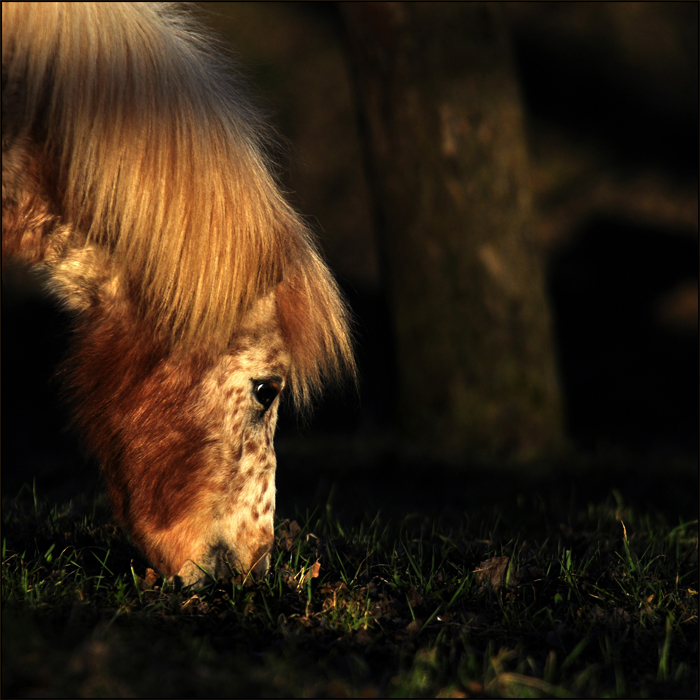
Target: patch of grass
507,603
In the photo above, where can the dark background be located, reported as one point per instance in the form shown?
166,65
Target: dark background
611,100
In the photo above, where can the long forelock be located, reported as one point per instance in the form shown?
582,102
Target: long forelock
315,323
159,155
161,158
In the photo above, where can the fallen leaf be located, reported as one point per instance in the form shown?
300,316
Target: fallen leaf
151,577
414,597
288,534
315,568
413,628
492,573
313,572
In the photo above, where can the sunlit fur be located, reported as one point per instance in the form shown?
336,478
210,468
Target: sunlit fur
135,172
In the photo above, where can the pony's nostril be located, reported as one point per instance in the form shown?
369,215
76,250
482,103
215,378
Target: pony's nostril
225,570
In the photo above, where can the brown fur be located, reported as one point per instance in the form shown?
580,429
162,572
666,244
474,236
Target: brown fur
134,171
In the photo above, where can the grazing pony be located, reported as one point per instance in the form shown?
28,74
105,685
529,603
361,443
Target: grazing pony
135,173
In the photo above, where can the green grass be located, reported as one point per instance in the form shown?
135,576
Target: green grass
500,601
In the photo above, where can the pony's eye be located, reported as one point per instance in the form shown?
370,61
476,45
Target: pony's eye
265,392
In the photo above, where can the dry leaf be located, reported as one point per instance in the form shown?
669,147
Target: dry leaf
313,572
413,628
492,573
288,535
414,598
315,568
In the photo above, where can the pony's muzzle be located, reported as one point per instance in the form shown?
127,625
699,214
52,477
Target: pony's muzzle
253,561
223,565
228,566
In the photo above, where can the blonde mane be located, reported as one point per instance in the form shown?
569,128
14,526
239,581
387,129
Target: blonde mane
160,159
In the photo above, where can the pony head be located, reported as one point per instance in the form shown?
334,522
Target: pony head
135,172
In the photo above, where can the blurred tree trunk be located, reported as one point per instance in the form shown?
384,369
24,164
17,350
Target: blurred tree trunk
443,130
